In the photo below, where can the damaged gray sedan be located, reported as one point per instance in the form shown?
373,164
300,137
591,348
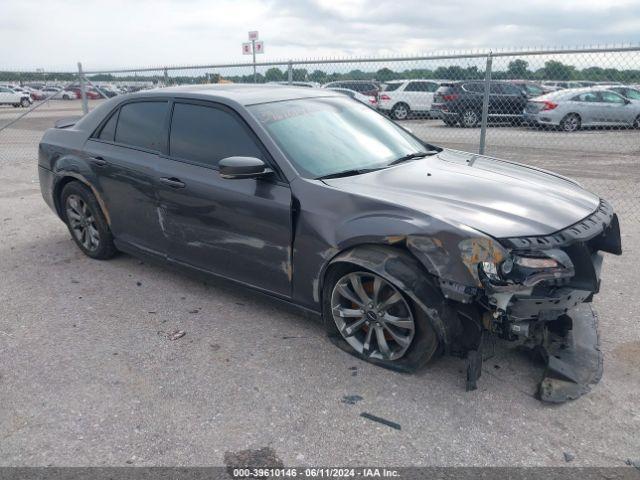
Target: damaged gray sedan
405,249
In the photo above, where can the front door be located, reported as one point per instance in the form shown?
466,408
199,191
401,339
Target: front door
240,229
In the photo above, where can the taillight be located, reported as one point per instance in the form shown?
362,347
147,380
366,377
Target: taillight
385,97
372,100
548,105
450,97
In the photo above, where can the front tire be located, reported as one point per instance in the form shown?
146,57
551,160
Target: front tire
636,122
400,111
86,222
25,102
372,319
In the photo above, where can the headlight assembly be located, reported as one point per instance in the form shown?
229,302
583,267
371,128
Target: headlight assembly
526,269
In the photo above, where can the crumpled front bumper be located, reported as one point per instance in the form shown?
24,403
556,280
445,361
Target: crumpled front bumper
573,361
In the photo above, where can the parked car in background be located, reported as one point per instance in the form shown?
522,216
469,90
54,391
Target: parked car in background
90,93
400,98
70,94
36,94
529,88
366,99
554,86
365,87
107,90
297,84
573,109
626,92
9,96
461,102
50,91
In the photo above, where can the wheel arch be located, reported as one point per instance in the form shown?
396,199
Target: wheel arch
401,102
398,266
69,177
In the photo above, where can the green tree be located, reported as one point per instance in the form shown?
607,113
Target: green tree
518,69
318,76
385,74
274,75
299,74
554,70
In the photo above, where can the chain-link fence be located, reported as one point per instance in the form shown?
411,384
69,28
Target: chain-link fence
576,112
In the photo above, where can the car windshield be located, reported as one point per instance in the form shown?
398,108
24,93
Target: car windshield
326,136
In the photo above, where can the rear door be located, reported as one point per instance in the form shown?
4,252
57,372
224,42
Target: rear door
589,106
240,229
512,98
123,154
419,94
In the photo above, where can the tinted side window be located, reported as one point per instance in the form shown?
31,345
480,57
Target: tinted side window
509,89
108,132
141,124
207,135
610,97
533,89
586,97
416,87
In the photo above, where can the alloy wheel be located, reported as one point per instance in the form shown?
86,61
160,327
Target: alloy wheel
82,223
571,123
400,112
469,118
372,316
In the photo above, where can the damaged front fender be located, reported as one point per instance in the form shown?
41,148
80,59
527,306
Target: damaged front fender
406,273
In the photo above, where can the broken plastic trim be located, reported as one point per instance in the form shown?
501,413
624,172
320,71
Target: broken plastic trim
574,361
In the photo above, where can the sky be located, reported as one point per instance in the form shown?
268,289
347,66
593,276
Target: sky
149,33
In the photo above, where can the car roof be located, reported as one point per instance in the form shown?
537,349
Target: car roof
244,94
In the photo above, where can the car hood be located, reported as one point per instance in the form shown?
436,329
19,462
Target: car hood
497,197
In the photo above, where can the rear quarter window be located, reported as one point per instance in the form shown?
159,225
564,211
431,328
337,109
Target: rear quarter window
108,131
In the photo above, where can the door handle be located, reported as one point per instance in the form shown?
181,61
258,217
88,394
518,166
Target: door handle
98,161
172,182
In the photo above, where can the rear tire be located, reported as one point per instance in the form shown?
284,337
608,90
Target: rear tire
469,119
400,111
86,222
636,122
423,345
570,123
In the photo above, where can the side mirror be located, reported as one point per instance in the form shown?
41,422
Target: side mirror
627,101
242,167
